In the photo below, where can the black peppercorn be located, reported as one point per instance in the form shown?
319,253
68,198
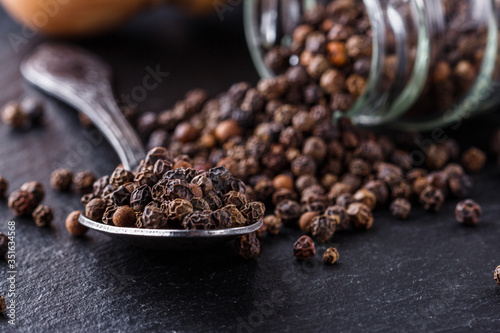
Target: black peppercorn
247,246
21,202
99,185
468,212
201,220
120,177
140,198
95,209
330,256
83,181
121,197
253,211
61,179
107,218
14,115
400,208
237,218
304,248
360,215
339,214
496,275
323,227
431,198
73,226
43,215
288,210
124,217
153,217
36,189
473,159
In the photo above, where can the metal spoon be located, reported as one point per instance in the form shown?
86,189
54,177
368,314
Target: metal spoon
83,81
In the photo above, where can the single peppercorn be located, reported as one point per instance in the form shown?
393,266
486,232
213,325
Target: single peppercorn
199,220
14,115
73,226
95,209
120,177
4,186
107,218
468,212
431,198
496,275
367,197
473,160
323,227
36,189
253,211
339,215
21,202
330,256
4,244
306,220
153,217
43,215
247,246
124,217
360,215
304,248
61,179
273,224
237,218
177,209
288,210
83,181
400,208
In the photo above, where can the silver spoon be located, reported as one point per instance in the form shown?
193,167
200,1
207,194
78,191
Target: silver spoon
84,81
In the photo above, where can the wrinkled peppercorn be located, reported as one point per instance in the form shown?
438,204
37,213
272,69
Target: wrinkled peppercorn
400,208
330,256
61,179
120,177
288,210
496,275
177,209
74,227
83,181
468,212
367,197
36,189
304,248
107,218
360,215
43,215
273,224
339,214
153,217
323,227
431,198
21,202
199,220
247,246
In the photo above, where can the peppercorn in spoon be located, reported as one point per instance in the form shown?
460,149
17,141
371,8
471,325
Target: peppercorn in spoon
83,81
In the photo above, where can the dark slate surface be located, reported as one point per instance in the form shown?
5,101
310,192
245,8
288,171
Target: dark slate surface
425,274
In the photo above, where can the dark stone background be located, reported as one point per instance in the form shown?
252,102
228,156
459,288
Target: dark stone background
424,274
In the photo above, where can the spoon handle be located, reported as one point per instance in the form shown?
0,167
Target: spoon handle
84,81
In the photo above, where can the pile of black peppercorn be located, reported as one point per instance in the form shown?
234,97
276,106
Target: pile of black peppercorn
167,193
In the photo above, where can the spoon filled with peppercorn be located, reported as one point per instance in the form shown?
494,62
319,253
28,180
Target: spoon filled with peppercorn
153,201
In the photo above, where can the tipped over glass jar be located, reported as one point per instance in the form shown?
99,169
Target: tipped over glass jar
414,64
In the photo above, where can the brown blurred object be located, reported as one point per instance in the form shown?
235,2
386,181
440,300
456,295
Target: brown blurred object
79,17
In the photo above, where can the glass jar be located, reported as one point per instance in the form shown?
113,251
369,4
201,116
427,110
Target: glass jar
433,62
